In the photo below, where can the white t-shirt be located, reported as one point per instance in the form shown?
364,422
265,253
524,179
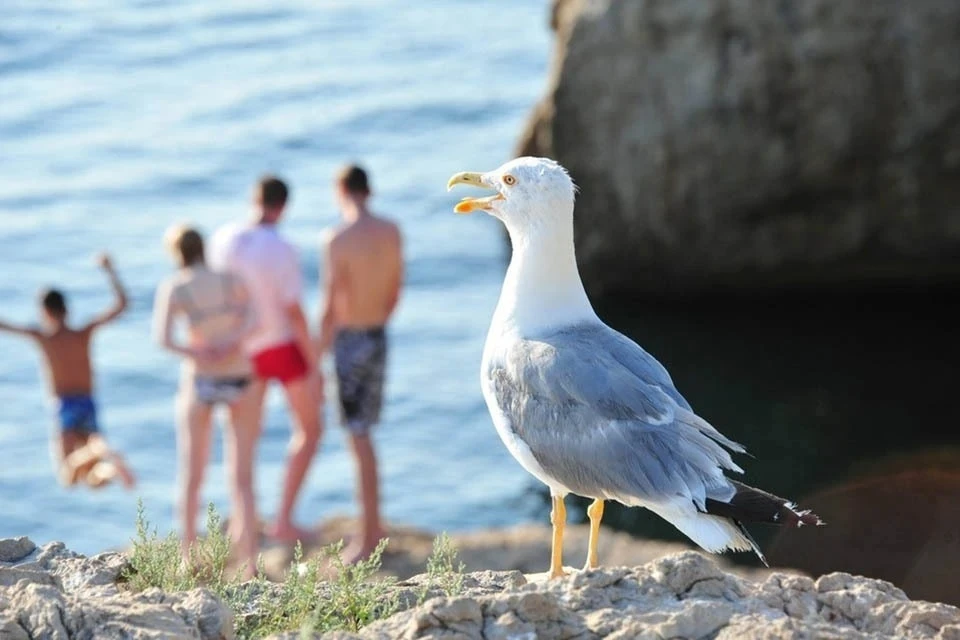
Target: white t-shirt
270,269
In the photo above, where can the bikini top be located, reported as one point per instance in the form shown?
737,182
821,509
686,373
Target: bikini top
227,304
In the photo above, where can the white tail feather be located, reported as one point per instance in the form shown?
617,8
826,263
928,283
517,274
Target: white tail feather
711,533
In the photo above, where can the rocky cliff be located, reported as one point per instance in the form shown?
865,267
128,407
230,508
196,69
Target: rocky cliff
756,145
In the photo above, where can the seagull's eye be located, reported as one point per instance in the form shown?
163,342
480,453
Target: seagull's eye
509,180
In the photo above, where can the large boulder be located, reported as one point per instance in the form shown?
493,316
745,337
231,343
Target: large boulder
757,144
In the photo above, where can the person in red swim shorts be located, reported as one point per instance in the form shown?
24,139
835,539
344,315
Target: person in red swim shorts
280,348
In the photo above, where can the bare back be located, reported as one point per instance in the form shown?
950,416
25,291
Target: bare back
367,258
213,305
67,355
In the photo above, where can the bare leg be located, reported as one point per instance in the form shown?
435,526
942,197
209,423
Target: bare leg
100,465
241,444
595,513
558,518
305,405
122,471
371,529
73,457
101,474
193,445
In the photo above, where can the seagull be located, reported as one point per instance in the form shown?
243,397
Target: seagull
583,408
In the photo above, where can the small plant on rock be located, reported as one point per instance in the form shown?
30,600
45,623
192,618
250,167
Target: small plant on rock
444,571
355,597
155,561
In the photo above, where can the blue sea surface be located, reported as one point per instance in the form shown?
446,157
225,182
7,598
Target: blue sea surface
118,119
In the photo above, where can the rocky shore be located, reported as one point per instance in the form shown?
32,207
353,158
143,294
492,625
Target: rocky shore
52,592
681,596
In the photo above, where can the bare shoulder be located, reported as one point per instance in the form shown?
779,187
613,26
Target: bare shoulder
331,234
171,294
78,336
170,288
333,238
389,225
41,336
389,228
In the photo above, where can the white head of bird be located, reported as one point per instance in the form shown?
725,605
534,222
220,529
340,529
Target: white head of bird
534,200
534,196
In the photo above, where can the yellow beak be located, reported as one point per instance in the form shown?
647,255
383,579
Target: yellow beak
469,205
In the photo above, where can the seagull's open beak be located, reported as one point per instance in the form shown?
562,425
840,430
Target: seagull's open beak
469,205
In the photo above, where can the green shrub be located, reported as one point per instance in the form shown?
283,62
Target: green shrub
444,569
355,597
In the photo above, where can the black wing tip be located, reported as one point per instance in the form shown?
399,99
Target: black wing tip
753,543
750,504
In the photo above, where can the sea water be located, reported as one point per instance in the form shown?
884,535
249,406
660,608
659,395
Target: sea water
118,119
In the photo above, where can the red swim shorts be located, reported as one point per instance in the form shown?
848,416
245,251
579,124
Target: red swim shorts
283,363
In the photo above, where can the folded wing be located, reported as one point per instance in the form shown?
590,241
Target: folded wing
602,416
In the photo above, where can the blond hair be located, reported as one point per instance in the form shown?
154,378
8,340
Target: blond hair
185,244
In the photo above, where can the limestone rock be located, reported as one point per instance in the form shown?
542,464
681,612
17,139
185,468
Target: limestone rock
754,145
13,549
682,596
52,592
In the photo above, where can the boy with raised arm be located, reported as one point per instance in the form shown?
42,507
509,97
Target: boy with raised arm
364,272
83,454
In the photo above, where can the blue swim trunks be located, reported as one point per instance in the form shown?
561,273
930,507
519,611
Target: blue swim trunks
78,413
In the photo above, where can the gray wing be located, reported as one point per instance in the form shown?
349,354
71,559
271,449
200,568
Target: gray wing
631,356
603,417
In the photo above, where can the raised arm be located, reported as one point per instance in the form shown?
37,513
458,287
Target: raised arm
119,295
27,332
332,280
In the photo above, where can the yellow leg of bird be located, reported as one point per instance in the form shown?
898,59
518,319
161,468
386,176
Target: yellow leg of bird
558,518
595,513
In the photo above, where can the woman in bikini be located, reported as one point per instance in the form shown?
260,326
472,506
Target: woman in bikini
215,371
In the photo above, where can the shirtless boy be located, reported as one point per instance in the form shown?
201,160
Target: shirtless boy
83,454
363,272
